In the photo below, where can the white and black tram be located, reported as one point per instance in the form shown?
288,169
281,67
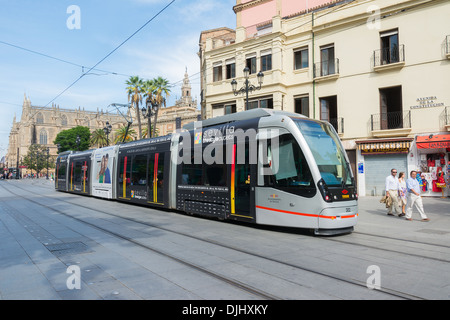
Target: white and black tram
260,166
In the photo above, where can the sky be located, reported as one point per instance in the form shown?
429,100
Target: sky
82,33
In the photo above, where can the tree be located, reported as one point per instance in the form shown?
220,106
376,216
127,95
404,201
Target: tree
145,132
98,138
134,89
67,139
120,134
160,94
36,158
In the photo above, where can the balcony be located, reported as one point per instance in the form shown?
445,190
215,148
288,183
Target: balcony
338,125
326,70
391,124
389,58
445,117
447,46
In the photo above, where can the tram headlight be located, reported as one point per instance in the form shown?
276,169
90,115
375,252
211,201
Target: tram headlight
323,188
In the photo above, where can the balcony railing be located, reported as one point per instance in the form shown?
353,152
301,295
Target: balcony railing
446,116
388,56
447,45
391,120
338,125
326,68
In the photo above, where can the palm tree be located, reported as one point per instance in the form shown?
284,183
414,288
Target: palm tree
98,138
120,134
160,94
134,89
145,132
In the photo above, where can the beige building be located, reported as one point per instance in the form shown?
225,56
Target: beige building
40,125
378,70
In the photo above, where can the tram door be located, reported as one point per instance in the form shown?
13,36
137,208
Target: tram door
124,171
243,178
155,179
79,176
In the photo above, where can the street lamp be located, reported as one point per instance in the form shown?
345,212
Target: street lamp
247,85
78,141
148,112
37,164
107,130
48,150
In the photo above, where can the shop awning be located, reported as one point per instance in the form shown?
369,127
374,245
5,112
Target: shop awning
384,146
433,141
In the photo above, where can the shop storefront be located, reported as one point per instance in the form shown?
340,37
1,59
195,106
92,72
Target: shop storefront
431,154
376,158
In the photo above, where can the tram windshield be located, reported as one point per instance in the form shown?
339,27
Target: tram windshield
327,151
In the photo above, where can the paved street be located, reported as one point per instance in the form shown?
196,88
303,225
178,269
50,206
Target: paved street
56,245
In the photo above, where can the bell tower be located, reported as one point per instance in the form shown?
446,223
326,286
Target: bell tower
186,99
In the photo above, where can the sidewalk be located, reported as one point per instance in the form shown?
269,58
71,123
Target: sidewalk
373,219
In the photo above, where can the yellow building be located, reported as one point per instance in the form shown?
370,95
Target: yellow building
378,70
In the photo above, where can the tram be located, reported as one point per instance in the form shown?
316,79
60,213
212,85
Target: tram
260,166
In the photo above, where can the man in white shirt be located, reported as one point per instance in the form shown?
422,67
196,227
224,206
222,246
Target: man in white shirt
392,187
414,197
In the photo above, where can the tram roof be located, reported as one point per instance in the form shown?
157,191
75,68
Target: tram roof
240,116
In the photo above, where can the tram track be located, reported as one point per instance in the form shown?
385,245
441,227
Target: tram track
233,282
352,242
237,284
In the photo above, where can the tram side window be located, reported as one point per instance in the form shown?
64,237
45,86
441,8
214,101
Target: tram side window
139,175
216,173
62,171
124,171
78,173
290,171
192,174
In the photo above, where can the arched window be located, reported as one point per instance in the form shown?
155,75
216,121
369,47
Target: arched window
39,118
64,120
43,137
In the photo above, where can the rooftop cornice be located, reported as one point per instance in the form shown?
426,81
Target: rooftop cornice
239,7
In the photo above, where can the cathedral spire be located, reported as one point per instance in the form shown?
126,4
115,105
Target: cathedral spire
186,99
186,87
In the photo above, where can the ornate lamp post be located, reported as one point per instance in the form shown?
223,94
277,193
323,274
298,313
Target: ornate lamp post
37,164
48,151
107,130
148,112
247,85
78,141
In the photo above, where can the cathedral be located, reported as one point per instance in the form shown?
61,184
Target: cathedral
41,125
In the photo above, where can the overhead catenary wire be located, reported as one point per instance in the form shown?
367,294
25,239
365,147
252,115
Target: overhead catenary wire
110,53
59,59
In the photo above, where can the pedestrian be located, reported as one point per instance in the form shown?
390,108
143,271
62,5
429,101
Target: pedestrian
402,191
414,198
392,187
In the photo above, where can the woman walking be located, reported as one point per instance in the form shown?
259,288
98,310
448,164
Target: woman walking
402,190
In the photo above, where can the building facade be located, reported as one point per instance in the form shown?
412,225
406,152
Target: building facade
184,111
41,125
377,70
